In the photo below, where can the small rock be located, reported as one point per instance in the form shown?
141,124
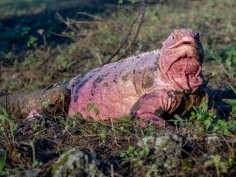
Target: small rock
212,144
76,163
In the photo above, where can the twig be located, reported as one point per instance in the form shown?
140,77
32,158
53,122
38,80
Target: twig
124,42
73,24
90,15
67,22
143,7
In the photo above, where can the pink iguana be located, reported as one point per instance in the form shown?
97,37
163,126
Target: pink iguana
162,81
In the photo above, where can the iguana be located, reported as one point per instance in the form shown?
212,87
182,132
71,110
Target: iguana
146,86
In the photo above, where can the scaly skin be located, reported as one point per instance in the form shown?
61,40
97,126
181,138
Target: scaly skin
145,86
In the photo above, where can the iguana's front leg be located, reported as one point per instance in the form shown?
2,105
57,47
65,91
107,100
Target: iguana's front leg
152,105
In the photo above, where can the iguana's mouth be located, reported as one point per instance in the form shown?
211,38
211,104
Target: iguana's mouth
186,41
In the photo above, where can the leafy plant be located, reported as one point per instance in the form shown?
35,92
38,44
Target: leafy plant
149,130
32,41
221,126
178,121
99,129
125,123
202,120
67,123
102,135
134,156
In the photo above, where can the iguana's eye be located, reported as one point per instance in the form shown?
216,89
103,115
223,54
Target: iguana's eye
169,40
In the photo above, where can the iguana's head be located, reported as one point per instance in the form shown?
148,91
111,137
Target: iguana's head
181,58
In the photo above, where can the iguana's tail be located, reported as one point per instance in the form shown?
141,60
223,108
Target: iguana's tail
52,100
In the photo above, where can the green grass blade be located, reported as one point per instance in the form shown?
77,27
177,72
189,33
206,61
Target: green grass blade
3,160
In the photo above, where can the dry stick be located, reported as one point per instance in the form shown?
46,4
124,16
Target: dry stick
125,40
67,22
143,8
70,23
90,15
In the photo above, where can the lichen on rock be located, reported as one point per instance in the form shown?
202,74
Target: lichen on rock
76,163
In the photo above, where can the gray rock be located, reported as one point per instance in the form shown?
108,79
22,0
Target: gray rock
213,144
75,163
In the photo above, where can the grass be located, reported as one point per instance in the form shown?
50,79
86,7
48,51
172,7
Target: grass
3,159
28,7
232,102
35,144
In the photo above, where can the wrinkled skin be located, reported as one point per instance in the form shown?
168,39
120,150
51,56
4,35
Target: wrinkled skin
145,86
